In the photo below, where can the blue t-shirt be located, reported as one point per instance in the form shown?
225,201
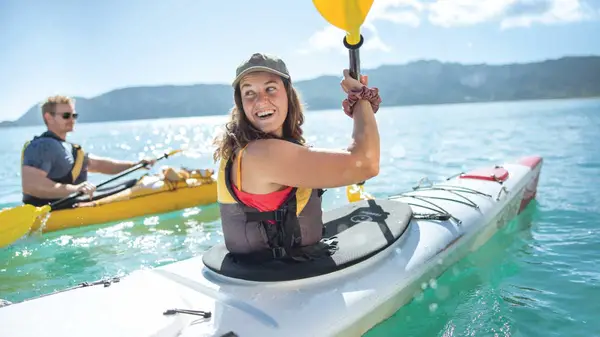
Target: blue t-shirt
53,157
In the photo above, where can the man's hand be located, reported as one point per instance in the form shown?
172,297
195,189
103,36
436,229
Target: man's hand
148,162
86,188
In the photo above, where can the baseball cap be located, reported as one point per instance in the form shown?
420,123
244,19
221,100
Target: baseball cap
261,62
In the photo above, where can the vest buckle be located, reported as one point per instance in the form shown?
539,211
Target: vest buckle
278,252
280,215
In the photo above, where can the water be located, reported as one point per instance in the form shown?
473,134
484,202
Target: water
538,277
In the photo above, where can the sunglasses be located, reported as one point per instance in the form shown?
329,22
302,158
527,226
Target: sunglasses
67,115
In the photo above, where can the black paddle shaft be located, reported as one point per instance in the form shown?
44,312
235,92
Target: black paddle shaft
120,175
355,63
354,57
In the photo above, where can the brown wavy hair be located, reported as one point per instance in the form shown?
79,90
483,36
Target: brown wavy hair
239,131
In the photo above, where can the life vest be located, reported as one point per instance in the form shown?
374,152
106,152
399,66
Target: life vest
295,232
70,178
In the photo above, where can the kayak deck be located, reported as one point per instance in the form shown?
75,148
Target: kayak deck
347,302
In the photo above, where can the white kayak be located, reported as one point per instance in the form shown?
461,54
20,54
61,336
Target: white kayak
386,249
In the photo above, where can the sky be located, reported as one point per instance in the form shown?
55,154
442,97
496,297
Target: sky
86,48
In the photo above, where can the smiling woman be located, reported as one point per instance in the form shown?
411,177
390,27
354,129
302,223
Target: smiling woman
270,182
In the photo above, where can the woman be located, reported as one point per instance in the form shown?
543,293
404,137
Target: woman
270,183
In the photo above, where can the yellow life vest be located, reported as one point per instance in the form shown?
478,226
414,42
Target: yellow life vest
78,156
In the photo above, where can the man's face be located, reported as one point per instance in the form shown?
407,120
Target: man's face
63,120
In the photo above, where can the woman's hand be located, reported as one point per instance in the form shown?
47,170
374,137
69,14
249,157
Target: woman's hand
349,83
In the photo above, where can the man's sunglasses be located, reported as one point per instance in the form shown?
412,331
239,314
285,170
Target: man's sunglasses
67,115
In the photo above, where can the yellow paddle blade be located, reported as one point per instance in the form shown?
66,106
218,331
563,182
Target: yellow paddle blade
173,152
18,221
347,15
40,220
356,193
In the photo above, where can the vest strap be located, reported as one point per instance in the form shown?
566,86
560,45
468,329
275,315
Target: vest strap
78,155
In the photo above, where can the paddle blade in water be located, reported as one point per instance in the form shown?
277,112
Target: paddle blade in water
347,15
18,221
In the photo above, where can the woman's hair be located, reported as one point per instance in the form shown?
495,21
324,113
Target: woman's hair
239,131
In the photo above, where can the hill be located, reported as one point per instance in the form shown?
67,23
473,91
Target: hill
421,82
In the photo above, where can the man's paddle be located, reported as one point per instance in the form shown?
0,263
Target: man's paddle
17,221
349,15
120,175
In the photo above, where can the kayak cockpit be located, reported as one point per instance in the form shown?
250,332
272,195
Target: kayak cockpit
361,230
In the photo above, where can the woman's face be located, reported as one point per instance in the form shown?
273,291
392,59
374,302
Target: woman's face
265,101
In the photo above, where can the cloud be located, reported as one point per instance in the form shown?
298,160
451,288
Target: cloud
406,12
532,7
446,13
325,39
331,38
526,13
508,13
455,13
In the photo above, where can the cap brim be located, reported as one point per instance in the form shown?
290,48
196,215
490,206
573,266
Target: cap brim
258,68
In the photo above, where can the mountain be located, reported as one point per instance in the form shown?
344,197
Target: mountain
420,82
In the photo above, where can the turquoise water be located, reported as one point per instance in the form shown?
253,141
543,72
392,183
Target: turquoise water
538,277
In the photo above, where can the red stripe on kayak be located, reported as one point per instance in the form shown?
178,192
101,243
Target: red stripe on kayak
531,161
498,174
531,188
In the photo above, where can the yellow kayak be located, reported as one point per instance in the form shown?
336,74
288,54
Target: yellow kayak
151,194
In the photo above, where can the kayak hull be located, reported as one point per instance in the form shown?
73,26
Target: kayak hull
150,195
347,302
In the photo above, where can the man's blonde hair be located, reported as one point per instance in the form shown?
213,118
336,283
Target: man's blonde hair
49,105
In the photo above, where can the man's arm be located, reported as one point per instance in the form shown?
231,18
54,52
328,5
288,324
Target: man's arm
35,183
107,165
38,159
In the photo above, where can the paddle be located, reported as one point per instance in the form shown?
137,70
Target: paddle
18,221
349,15
120,175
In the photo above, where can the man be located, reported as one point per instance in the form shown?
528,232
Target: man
53,168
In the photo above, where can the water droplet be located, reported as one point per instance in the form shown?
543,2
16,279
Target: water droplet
433,283
433,307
